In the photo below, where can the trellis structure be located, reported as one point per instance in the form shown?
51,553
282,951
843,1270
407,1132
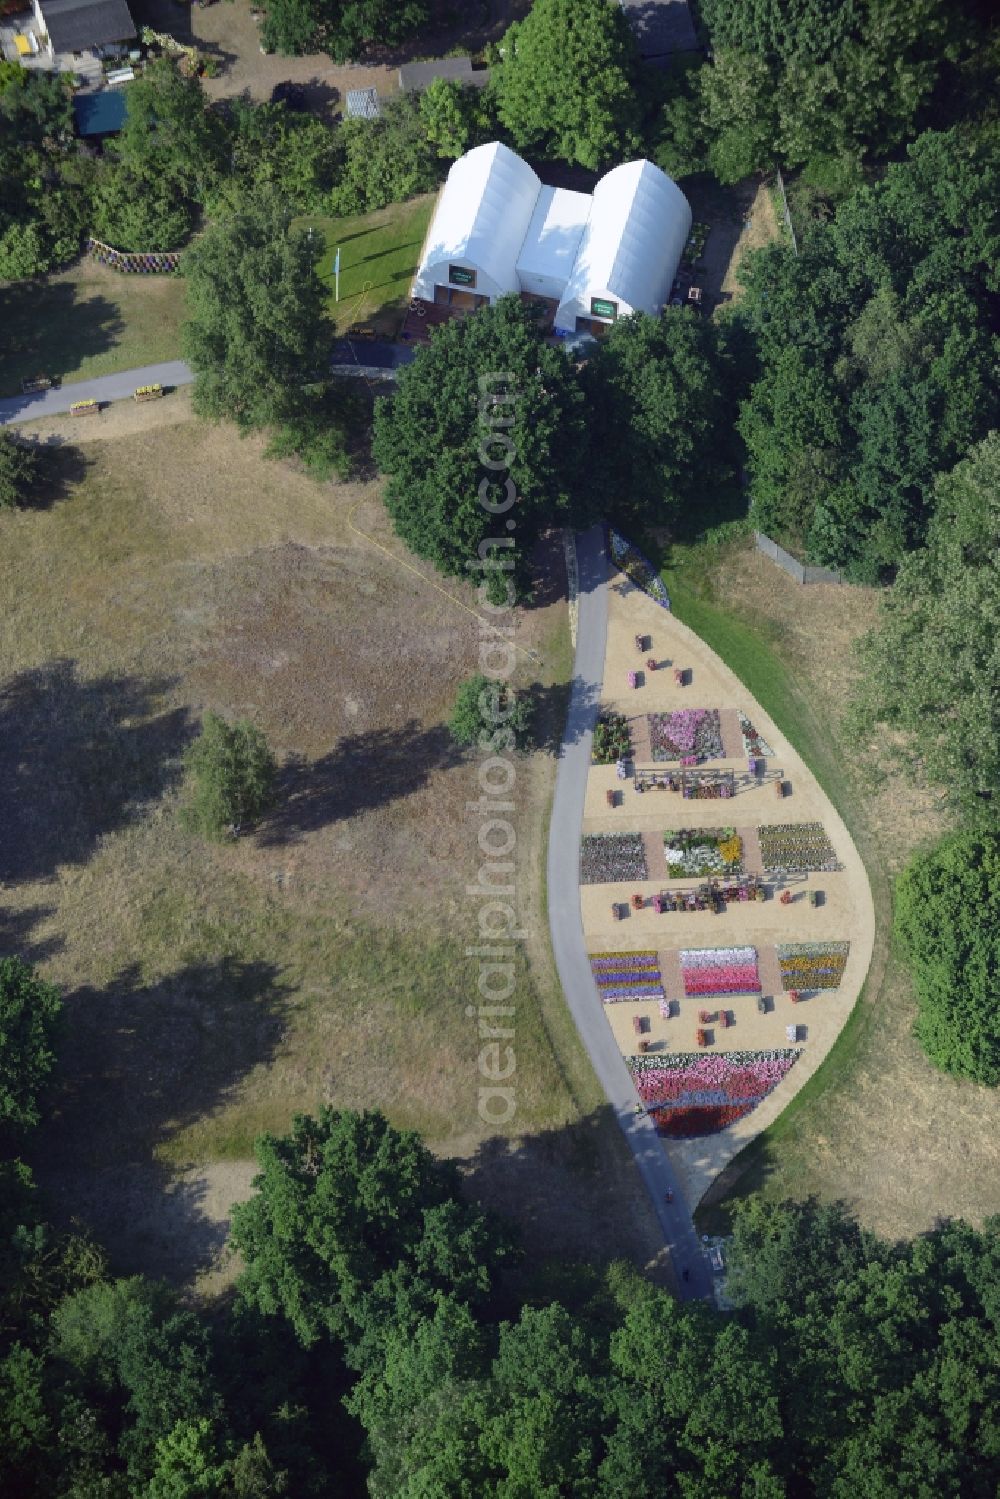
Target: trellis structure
696,785
134,262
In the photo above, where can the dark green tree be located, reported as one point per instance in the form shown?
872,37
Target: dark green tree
488,415
232,774
256,329
356,1227
386,160
169,153
346,29
566,82
19,472
661,393
931,665
948,924
29,1017
482,707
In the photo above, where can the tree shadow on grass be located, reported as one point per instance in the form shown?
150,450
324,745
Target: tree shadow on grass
363,772
78,760
61,468
552,722
16,939
138,1063
48,329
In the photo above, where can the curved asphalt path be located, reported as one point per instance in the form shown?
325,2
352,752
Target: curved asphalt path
378,359
566,924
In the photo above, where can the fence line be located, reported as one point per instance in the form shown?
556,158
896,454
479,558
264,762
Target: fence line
134,262
791,565
785,213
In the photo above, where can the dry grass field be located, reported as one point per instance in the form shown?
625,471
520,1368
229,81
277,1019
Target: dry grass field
898,1142
212,991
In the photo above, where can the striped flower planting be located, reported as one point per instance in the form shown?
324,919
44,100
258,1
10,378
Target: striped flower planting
689,1095
627,975
720,970
812,965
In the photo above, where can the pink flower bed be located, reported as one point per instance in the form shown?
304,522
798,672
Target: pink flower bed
720,970
692,1094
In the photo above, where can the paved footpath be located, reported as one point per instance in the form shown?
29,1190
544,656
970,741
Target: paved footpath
567,927
375,361
102,388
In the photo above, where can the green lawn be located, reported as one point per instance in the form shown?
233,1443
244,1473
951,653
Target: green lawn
86,321
379,253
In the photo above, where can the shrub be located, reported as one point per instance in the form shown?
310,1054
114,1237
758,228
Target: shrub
232,772
490,714
18,472
29,1012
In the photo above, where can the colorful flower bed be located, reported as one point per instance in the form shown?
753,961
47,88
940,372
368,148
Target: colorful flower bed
720,970
796,846
627,975
607,857
691,852
812,965
753,744
688,734
689,1094
612,739
637,568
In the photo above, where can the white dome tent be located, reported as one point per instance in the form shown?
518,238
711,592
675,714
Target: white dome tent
479,226
635,236
497,230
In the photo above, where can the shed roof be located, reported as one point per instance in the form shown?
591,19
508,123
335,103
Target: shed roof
417,75
554,233
483,212
102,113
75,25
362,104
661,26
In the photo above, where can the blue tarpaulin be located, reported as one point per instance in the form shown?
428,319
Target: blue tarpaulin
99,114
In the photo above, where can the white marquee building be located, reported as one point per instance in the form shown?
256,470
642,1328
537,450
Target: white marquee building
498,230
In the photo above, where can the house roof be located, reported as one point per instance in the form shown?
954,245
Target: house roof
102,113
417,75
661,26
75,25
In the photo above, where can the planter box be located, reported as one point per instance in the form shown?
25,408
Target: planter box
148,393
85,408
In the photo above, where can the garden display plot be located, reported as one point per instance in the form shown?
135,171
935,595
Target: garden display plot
686,734
754,747
692,852
612,739
691,1094
812,965
796,846
627,975
720,970
637,568
608,857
